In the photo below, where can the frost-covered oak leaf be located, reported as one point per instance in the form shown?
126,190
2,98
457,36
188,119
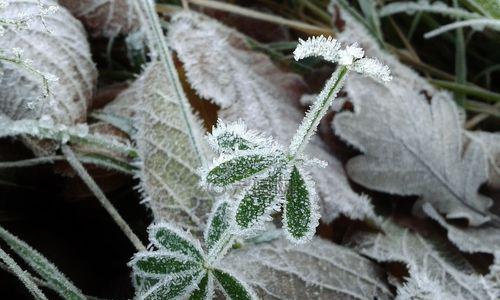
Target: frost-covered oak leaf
413,147
249,87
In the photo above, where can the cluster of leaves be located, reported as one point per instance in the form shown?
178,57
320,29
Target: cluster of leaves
411,137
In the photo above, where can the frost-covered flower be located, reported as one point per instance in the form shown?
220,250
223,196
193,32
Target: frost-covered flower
351,56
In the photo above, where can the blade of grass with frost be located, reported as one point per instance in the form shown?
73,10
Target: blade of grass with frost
47,271
22,275
460,61
476,24
438,7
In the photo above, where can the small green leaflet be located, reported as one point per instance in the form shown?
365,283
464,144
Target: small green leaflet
205,288
238,168
233,288
56,280
168,237
301,212
171,288
218,224
258,201
161,262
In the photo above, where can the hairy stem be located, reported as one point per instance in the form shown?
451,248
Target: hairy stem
92,185
22,275
311,121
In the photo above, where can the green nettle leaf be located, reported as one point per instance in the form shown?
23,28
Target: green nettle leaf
239,168
161,263
300,212
55,279
168,237
218,224
171,288
233,288
205,289
258,202
143,284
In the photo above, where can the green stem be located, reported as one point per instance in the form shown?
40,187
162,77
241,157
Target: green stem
92,185
311,121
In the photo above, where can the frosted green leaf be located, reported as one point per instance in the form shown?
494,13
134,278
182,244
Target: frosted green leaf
55,279
169,237
300,212
162,263
233,288
218,224
171,288
205,289
258,202
228,138
237,168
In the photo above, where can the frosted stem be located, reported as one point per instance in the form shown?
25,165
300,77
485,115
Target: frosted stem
22,275
319,108
92,185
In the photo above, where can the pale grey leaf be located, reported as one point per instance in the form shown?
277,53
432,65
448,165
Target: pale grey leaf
412,147
317,270
490,142
58,48
169,162
484,238
106,18
221,66
428,265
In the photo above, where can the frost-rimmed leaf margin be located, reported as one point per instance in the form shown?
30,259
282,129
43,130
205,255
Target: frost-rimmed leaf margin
232,286
266,159
299,176
231,137
190,246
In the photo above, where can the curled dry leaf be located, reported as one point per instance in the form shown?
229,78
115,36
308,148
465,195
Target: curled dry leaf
433,273
490,142
59,48
106,18
247,86
169,162
316,270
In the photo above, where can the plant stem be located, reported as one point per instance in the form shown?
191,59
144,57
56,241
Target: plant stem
22,275
92,185
311,121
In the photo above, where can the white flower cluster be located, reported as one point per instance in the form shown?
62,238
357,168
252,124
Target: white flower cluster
350,56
